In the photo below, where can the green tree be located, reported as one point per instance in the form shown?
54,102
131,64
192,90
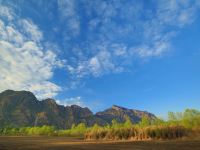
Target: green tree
128,123
172,116
73,126
191,118
115,124
145,121
158,121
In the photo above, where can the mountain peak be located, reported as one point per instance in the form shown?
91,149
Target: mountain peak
121,113
8,91
116,107
75,106
16,92
20,95
50,100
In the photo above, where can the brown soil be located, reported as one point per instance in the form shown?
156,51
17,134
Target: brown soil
64,143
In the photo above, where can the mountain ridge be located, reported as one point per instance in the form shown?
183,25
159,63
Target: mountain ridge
21,108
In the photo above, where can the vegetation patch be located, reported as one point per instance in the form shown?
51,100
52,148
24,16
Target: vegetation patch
178,125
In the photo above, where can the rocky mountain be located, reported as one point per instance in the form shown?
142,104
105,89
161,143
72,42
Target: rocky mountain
121,114
21,108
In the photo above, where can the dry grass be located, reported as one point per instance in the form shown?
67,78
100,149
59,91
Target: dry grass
134,133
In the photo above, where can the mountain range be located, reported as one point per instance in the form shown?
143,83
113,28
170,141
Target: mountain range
21,108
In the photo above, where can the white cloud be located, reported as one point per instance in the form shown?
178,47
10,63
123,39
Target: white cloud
69,17
44,89
177,13
170,16
24,63
31,30
157,50
72,101
78,100
66,8
100,63
5,12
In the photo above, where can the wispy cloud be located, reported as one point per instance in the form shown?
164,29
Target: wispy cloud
177,13
102,62
135,29
6,12
31,30
78,100
96,37
24,63
72,101
158,49
69,17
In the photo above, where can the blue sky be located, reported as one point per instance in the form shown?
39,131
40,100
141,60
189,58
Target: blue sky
133,53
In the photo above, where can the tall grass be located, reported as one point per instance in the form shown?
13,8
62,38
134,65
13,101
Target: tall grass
179,124
136,133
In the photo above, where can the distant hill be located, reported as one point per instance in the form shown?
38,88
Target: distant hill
21,108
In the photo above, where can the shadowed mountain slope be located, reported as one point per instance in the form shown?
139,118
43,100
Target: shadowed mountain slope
21,108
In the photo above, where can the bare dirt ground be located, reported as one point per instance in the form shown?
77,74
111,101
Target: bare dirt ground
63,143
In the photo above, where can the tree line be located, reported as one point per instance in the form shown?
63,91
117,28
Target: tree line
179,124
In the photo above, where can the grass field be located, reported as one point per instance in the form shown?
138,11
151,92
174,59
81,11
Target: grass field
63,143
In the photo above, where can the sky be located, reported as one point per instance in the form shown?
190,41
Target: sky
139,54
